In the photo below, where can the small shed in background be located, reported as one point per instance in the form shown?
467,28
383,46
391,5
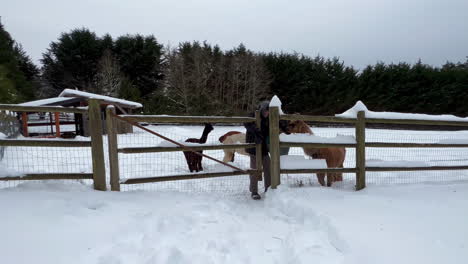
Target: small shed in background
70,125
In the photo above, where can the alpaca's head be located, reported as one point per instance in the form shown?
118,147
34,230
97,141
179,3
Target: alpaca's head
206,131
299,126
208,128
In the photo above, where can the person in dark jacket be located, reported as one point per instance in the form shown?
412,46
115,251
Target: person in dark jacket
257,136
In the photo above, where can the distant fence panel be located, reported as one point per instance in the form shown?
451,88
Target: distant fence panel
34,159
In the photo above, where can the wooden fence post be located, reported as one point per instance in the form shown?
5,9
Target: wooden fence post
24,119
274,147
57,124
258,148
361,151
113,153
97,149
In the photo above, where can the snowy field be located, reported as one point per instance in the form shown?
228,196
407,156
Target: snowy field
402,217
48,223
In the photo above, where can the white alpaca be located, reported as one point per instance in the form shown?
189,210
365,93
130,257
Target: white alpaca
233,137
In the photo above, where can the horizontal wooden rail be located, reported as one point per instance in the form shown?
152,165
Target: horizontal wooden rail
334,119
413,145
416,122
43,143
191,176
372,145
316,145
187,119
374,169
50,176
329,170
326,119
20,108
416,168
191,147
30,124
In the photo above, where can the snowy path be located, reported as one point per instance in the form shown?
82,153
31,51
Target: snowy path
70,223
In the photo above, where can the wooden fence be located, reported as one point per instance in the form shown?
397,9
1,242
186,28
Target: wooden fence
114,150
96,144
360,145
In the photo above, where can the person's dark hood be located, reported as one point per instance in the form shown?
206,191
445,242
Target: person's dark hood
263,106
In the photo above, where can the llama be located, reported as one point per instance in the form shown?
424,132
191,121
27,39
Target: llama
194,160
233,137
333,156
236,137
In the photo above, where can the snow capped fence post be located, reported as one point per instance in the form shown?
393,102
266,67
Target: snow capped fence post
97,149
113,152
361,151
274,146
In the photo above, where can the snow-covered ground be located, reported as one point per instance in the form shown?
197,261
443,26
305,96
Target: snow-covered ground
48,223
401,217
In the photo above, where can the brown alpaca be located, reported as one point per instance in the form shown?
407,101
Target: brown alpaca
333,156
233,137
194,160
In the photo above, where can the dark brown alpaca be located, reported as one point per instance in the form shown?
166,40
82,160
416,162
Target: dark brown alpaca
194,160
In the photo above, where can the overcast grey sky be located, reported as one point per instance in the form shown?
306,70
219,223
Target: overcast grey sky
360,32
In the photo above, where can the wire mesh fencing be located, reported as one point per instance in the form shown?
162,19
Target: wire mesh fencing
414,157
20,161
174,163
417,157
17,162
24,160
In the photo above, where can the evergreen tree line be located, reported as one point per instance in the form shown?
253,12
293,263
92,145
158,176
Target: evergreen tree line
18,75
196,78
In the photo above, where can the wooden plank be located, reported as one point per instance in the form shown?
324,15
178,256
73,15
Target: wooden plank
97,151
274,147
57,124
430,168
413,145
328,170
192,176
112,147
373,145
30,109
188,148
416,122
187,119
24,121
43,143
316,145
326,119
49,176
361,151
48,124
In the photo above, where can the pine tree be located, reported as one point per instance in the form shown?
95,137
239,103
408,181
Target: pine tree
16,71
